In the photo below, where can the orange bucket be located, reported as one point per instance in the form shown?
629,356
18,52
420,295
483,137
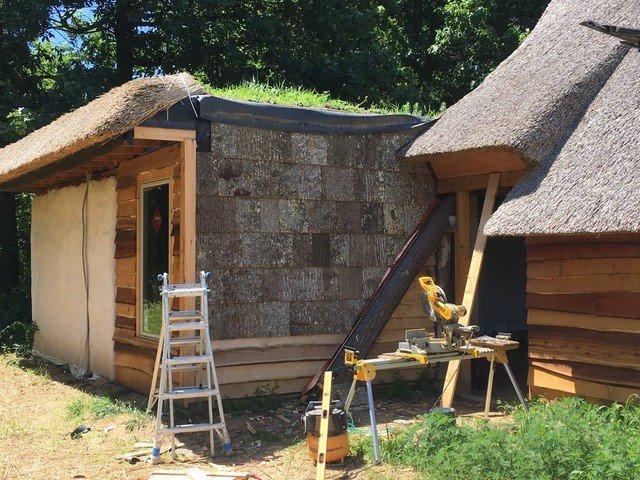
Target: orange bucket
337,447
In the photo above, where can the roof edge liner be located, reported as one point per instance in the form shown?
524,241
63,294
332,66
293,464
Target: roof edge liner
302,119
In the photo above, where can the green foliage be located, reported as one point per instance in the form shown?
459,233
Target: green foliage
567,439
152,315
100,407
265,398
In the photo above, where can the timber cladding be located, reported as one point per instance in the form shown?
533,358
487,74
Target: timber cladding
134,355
583,301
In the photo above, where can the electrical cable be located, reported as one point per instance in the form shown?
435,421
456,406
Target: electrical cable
85,271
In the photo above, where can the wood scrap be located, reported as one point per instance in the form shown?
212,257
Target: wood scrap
198,474
250,428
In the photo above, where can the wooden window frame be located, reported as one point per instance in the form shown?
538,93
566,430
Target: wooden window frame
163,176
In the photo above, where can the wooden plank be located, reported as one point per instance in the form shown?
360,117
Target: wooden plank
126,280
576,303
475,182
585,321
124,194
163,134
462,256
125,310
376,312
161,158
125,250
127,208
283,354
629,341
451,378
582,250
126,265
266,371
126,295
545,379
128,323
588,371
566,351
544,269
585,283
188,211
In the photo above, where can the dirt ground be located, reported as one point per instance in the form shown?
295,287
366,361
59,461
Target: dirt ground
35,423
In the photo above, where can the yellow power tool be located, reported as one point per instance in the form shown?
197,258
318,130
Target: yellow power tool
450,335
436,301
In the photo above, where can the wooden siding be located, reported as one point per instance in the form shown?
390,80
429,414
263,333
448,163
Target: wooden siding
134,355
583,303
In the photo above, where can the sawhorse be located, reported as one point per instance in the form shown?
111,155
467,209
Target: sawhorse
365,370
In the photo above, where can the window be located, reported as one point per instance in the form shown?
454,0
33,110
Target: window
154,253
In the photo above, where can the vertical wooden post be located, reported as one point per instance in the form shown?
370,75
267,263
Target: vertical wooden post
462,258
321,459
463,243
188,210
468,299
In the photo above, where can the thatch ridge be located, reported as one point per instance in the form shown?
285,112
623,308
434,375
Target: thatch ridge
591,185
102,119
539,93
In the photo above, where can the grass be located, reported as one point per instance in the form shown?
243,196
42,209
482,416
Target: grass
568,439
297,96
101,407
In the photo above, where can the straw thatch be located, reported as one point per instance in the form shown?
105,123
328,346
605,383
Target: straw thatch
591,185
106,117
527,106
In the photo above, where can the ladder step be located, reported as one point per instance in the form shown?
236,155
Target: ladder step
184,341
188,360
188,368
186,290
185,315
193,427
181,327
189,392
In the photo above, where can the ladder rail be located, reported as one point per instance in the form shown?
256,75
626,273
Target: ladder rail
200,353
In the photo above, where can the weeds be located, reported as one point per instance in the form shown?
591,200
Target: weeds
568,439
265,398
105,407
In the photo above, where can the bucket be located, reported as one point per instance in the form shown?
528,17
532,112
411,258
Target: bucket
337,439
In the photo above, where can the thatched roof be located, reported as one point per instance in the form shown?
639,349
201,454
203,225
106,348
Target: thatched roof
525,108
102,119
591,185
566,102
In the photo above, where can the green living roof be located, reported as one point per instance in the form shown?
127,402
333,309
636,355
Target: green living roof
294,96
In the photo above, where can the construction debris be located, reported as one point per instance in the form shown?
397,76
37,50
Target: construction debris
199,474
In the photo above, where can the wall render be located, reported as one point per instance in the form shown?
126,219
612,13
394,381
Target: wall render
58,287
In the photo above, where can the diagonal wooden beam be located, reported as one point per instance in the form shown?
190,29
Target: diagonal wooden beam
468,300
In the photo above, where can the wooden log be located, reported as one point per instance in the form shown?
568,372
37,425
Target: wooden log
374,315
583,320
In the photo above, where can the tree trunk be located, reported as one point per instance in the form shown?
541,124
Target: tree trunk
8,243
124,36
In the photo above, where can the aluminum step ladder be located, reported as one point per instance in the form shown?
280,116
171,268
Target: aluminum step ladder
183,329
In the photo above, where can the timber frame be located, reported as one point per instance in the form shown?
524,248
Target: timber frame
175,164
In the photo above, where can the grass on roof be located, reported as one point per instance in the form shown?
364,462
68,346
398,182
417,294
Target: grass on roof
295,96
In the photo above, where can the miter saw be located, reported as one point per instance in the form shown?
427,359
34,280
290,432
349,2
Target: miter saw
450,335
